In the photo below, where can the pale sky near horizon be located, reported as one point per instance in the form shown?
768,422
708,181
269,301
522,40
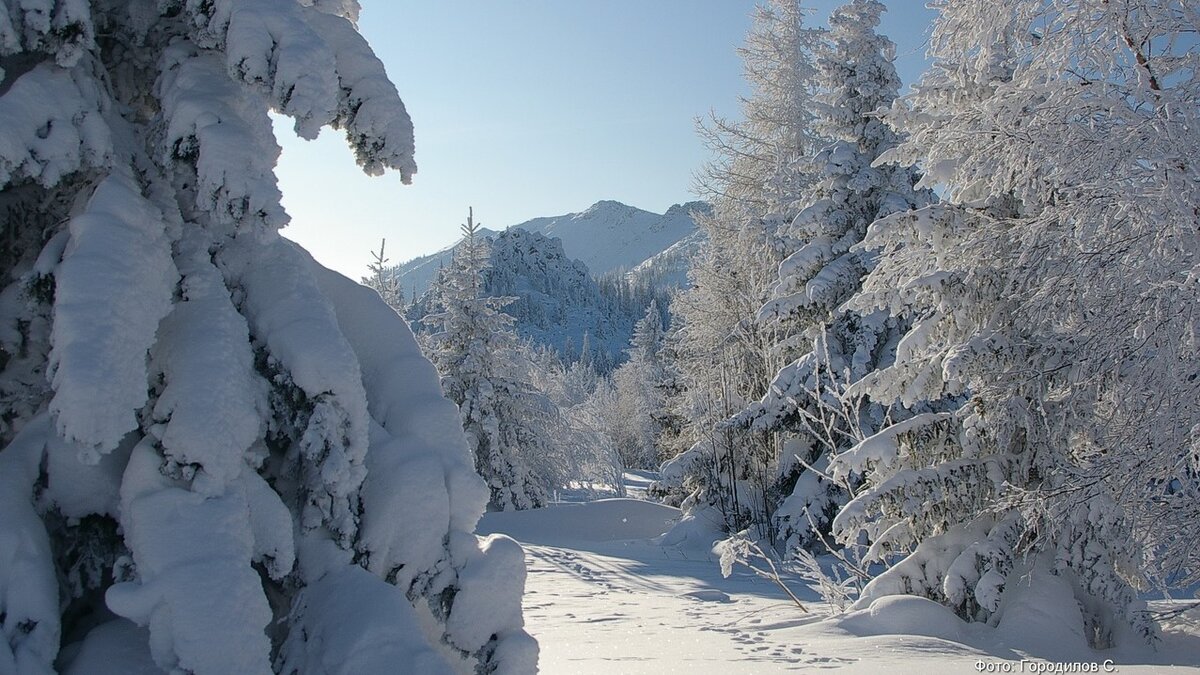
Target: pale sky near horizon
534,108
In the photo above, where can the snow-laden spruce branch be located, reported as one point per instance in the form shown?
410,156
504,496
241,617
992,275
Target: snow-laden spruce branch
218,456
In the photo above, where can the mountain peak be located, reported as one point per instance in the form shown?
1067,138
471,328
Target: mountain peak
608,206
687,208
609,236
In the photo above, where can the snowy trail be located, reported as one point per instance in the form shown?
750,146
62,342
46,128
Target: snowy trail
599,604
602,598
631,606
598,613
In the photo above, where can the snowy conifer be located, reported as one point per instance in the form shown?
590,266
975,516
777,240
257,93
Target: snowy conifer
755,184
636,416
856,79
218,457
475,349
1057,291
383,279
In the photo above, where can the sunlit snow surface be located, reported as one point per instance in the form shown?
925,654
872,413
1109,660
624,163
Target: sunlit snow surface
603,597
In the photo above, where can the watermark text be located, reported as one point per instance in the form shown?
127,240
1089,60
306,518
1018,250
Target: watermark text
1035,666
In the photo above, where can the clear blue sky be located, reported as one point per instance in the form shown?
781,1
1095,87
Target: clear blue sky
532,108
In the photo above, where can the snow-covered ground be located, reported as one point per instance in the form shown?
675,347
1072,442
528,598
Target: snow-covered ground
603,596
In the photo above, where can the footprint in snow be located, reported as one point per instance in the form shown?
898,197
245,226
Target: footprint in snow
708,595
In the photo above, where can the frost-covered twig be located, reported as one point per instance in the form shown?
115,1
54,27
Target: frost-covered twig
1169,613
836,590
738,549
855,568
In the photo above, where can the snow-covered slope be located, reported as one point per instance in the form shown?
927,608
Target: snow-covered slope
607,237
416,275
669,269
611,236
605,596
558,302
565,272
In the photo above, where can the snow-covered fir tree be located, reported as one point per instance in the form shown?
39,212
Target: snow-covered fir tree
475,349
1056,290
383,279
754,186
855,80
218,457
640,394
557,301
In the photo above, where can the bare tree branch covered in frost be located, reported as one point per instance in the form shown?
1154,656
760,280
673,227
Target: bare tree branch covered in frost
218,457
582,433
1056,290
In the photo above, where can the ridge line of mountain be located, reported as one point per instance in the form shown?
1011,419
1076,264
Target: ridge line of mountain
607,237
